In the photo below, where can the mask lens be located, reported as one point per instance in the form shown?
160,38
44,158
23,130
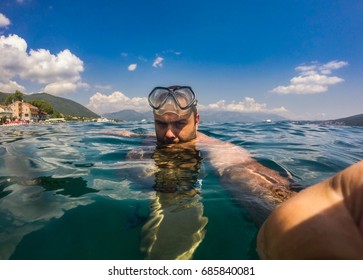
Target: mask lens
178,100
157,97
185,97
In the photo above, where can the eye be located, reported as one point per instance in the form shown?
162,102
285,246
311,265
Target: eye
161,124
180,124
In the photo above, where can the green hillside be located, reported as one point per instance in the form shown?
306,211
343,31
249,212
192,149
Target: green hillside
356,120
3,97
62,105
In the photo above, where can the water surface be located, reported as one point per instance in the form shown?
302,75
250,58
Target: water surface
77,191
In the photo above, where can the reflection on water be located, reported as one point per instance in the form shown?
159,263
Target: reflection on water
177,168
27,207
175,228
176,224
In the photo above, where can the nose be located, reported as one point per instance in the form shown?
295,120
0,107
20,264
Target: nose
169,135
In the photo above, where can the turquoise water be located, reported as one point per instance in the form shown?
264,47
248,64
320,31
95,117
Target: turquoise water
77,191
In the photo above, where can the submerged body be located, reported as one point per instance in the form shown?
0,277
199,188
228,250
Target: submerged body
256,187
176,226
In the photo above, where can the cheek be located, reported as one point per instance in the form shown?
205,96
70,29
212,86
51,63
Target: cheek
160,131
187,132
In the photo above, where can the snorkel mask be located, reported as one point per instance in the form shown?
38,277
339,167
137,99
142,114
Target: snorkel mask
176,99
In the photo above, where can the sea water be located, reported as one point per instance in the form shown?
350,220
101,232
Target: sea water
82,191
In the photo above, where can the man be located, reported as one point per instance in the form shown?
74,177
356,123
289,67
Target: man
258,188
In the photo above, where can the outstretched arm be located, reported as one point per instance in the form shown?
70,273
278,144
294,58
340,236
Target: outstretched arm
324,221
257,187
127,133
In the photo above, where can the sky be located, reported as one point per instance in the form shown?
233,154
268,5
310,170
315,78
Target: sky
299,59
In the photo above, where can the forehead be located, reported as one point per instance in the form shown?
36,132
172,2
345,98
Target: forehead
171,117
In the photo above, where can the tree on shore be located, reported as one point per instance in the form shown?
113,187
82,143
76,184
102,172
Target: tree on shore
17,96
43,106
46,107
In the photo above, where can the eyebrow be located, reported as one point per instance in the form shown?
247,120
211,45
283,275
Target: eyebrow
173,122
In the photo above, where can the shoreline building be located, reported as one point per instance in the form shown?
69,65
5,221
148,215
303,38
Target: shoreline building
6,111
24,111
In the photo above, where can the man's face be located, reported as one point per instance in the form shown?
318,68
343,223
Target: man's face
172,129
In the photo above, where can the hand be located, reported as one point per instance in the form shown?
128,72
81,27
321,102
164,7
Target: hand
324,221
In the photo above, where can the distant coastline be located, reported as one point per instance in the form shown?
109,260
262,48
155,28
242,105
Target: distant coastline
356,120
229,117
64,106
79,112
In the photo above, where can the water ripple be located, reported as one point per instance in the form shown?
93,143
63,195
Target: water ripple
47,171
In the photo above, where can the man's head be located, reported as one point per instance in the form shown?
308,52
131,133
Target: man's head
175,114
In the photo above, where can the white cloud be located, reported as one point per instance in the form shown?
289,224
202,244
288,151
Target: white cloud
132,67
332,65
158,62
306,69
102,103
11,86
12,57
45,67
313,78
63,88
248,104
300,89
59,73
4,21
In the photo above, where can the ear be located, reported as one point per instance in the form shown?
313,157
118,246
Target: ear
197,117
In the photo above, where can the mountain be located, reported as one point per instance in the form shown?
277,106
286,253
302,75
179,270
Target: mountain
129,115
3,97
227,116
205,116
62,105
356,120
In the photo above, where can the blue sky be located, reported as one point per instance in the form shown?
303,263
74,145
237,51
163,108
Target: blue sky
299,59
